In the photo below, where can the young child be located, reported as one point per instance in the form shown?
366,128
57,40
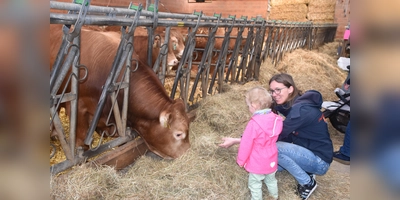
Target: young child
258,153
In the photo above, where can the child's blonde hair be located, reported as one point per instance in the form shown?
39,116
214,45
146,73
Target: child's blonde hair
259,97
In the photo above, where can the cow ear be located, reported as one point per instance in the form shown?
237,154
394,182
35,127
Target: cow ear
164,116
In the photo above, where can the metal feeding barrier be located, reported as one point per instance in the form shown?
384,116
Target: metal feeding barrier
255,40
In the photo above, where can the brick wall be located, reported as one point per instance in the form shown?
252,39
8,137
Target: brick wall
342,17
250,8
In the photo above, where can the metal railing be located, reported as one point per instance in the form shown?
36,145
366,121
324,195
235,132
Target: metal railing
264,41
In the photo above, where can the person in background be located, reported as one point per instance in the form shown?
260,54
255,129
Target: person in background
257,152
343,155
304,146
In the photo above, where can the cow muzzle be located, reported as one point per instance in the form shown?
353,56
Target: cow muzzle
173,62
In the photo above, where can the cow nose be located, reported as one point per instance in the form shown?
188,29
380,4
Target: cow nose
175,62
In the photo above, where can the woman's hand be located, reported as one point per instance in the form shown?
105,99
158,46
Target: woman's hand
228,142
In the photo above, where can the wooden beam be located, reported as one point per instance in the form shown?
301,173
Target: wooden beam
124,155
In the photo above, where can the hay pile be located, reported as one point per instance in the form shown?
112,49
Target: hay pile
59,155
315,70
206,171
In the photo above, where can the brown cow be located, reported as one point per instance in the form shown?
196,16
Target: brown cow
201,43
175,45
178,41
160,121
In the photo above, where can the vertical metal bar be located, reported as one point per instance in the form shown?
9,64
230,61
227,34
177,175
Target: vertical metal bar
64,70
57,64
164,61
291,40
150,42
276,35
126,95
74,102
221,62
260,46
60,135
243,62
269,40
117,114
251,66
162,56
205,63
232,62
281,42
189,47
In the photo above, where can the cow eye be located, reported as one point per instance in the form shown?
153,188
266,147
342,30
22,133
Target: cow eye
179,136
174,46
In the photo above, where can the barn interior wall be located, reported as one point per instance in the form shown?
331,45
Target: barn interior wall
250,8
342,17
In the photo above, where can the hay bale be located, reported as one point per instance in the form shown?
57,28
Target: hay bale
291,12
317,17
288,2
321,11
322,2
322,8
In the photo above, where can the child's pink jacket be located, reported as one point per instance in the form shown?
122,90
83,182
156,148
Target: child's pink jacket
258,153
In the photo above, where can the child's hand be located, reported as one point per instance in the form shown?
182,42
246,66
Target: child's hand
228,141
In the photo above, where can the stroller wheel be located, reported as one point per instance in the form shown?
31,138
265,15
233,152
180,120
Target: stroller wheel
339,121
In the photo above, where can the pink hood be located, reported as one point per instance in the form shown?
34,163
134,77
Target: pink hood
257,151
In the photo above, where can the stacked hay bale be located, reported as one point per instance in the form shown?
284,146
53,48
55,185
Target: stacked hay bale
289,10
320,11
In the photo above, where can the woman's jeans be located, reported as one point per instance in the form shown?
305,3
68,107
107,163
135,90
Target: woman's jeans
345,149
299,161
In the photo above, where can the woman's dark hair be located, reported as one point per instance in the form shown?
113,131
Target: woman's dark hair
286,80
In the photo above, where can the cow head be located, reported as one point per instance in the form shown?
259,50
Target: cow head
178,43
156,47
171,58
170,135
